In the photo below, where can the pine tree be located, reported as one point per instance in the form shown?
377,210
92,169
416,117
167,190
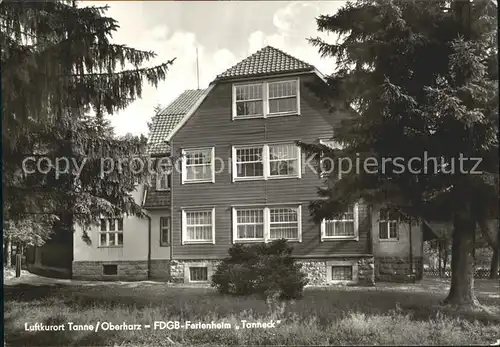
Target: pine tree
61,76
422,79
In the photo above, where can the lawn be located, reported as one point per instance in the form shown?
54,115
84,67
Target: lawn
387,314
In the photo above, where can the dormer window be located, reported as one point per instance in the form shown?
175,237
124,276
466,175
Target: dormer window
282,97
163,176
249,100
266,99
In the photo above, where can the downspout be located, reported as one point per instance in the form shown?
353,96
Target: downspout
411,248
421,276
371,237
440,247
149,233
171,210
149,246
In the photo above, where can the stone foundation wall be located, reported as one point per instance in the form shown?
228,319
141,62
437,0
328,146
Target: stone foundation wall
366,271
160,270
127,270
317,270
398,269
178,273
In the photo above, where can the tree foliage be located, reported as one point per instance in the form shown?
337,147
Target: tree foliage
62,76
422,78
267,270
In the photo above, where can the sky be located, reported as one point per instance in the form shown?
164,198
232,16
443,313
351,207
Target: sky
224,32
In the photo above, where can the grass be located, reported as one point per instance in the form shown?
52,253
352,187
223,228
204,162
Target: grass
387,314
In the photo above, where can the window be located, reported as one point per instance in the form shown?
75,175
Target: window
248,100
198,226
266,99
111,233
282,97
198,274
164,231
250,224
267,223
249,162
284,223
163,176
198,165
266,162
342,273
343,227
388,225
283,160
110,269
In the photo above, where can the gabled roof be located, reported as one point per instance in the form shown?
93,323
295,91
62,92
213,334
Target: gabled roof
166,120
156,198
267,61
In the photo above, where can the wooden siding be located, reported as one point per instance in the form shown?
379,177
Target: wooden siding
211,125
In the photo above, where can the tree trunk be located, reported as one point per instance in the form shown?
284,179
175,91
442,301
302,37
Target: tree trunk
462,264
8,253
439,258
494,264
445,257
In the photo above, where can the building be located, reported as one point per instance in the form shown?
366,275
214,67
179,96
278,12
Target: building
238,177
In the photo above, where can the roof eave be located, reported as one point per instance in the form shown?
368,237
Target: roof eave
191,111
261,75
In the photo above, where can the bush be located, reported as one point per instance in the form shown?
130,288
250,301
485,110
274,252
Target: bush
264,269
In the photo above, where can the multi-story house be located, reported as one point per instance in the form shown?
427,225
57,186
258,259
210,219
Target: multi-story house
240,178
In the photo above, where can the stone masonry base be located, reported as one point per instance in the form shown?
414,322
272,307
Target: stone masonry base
398,269
160,270
365,270
317,270
127,270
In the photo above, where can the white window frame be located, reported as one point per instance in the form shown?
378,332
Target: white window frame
267,223
265,99
197,281
388,230
325,237
167,175
234,103
235,163
111,233
184,165
266,163
187,272
268,98
352,263
185,240
235,224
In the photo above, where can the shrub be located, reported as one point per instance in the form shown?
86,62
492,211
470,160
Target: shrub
264,269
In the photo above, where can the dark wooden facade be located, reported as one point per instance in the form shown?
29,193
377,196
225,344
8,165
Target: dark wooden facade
212,125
